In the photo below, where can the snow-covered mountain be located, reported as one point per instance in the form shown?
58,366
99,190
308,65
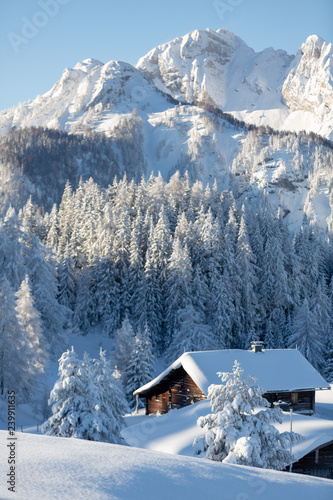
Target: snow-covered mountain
265,88
154,119
92,94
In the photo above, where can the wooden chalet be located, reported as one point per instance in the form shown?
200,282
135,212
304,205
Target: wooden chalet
284,374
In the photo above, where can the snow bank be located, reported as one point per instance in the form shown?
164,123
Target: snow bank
175,431
56,468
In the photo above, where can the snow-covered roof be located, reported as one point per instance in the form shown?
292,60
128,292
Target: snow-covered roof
276,370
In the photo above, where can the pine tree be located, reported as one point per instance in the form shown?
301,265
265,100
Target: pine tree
178,284
111,404
222,312
70,399
87,402
125,340
237,433
66,280
328,370
247,278
190,334
14,365
34,348
44,289
140,368
306,335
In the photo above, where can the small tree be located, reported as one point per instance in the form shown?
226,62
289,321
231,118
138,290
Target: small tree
237,432
34,346
87,402
125,342
69,399
140,368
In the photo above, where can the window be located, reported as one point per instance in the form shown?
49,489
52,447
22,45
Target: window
294,398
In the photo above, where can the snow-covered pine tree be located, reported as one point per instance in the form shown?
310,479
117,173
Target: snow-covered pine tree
306,335
34,349
239,433
191,334
177,285
14,366
42,277
140,367
328,370
113,404
72,399
66,280
87,402
222,312
105,419
125,341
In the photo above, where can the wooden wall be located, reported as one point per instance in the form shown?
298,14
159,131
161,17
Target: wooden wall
317,463
178,389
306,400
175,391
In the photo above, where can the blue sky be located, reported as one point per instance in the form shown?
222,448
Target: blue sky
39,38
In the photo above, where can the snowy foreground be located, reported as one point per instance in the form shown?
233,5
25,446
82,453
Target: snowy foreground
54,468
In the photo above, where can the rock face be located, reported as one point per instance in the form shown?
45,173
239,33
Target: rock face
263,88
147,130
219,64
309,84
189,67
84,96
266,88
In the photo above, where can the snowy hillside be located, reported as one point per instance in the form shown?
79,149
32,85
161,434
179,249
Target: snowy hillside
266,88
92,94
175,431
56,468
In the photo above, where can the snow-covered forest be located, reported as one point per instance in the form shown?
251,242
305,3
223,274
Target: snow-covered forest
196,268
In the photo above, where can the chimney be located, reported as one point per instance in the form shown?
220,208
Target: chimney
257,345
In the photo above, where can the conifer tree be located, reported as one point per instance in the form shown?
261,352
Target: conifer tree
237,433
34,348
306,335
14,365
87,402
125,340
190,334
140,368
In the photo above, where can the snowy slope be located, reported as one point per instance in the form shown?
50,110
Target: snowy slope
55,468
266,88
92,94
175,431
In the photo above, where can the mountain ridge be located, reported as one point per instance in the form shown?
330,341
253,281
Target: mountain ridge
146,127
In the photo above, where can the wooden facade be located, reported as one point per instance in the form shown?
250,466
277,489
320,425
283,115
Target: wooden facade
301,401
317,463
178,389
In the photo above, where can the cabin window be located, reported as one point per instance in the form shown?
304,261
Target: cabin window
157,397
294,398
